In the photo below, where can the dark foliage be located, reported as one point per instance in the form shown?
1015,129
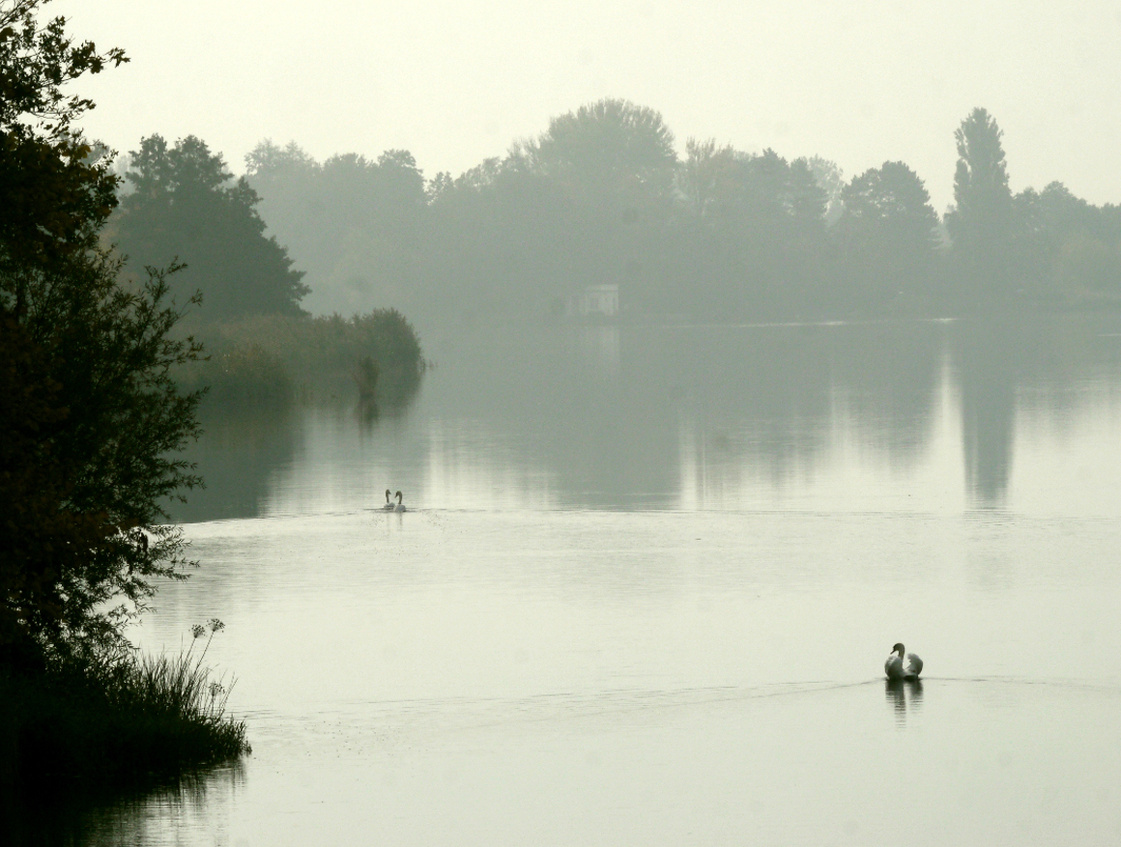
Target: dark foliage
116,721
91,423
55,191
184,205
90,418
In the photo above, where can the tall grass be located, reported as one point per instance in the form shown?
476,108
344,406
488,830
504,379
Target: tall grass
245,372
119,720
178,697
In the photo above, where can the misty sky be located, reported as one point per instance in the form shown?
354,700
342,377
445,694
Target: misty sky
456,82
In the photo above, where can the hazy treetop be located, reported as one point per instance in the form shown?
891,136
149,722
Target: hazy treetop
455,83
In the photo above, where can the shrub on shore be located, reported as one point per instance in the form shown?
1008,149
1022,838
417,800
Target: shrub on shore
115,721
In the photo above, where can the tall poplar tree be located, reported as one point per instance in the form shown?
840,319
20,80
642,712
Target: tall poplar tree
980,223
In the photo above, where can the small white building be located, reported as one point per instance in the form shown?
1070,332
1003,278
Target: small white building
602,300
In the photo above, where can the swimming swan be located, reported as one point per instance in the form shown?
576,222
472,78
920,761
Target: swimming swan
400,507
897,668
388,507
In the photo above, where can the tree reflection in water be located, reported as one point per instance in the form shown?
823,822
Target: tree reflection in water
83,816
684,416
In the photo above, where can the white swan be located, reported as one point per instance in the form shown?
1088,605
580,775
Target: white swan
388,507
400,507
896,667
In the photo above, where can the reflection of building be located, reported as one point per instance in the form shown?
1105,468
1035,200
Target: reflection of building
602,300
602,348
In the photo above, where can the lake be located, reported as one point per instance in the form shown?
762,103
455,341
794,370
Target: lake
646,585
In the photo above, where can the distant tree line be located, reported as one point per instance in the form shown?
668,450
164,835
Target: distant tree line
602,198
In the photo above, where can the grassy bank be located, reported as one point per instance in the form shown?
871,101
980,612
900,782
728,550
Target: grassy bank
115,723
375,357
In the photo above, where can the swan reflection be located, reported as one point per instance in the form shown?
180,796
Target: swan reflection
903,694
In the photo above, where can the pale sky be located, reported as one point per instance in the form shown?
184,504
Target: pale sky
456,82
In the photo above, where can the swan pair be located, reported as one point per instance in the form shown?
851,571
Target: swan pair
898,667
390,506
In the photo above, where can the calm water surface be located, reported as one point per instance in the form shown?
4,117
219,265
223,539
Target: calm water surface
646,586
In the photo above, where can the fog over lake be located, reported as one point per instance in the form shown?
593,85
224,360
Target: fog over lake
645,586
568,411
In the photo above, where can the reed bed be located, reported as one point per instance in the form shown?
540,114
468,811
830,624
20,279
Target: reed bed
271,360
